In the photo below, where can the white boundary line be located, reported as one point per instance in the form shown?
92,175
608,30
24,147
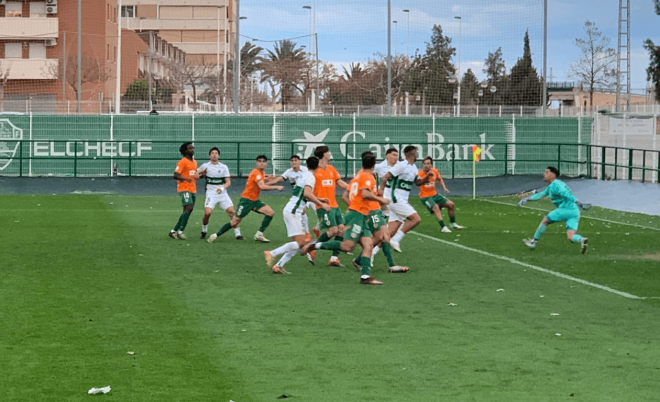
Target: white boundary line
582,217
534,267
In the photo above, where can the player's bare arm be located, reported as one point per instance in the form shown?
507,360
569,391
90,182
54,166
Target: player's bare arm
383,182
342,184
442,183
368,195
265,187
346,197
272,180
421,182
309,194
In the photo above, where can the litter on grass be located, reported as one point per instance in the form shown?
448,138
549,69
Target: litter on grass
95,391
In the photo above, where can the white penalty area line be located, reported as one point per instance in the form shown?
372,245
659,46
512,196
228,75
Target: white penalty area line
581,217
534,267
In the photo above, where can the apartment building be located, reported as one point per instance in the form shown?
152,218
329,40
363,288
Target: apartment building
203,29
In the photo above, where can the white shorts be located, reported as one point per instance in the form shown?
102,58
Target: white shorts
213,199
400,211
293,222
311,205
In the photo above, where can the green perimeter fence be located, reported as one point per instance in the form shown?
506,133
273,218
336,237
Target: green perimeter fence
45,145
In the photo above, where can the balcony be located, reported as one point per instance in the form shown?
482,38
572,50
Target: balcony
152,24
32,69
201,47
29,28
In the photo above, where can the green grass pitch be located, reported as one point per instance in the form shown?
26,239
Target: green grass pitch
86,279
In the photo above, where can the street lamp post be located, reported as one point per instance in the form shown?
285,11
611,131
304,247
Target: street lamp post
408,39
313,48
396,35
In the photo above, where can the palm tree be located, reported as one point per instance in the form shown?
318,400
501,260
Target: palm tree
283,67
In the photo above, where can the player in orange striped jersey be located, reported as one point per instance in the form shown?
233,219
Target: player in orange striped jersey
433,201
356,221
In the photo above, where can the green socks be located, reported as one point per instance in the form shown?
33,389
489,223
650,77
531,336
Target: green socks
265,223
224,228
324,237
387,250
452,219
442,223
365,264
331,245
337,252
183,221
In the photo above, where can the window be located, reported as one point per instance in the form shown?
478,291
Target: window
107,55
13,50
14,9
37,9
129,11
37,50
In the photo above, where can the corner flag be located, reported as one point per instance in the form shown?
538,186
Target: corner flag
476,153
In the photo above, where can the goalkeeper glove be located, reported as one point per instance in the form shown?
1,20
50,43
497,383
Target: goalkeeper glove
523,201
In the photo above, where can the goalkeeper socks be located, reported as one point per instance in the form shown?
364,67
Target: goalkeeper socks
576,238
329,245
265,223
387,250
337,252
442,223
184,221
288,247
540,231
223,229
452,219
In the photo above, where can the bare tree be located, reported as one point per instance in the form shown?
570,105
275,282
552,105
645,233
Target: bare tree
91,71
4,77
193,75
596,66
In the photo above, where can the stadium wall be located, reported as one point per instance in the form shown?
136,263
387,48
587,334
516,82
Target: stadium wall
43,145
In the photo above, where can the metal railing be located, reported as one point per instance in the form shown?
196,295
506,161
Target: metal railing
97,158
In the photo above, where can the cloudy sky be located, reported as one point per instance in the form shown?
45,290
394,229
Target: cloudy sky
354,31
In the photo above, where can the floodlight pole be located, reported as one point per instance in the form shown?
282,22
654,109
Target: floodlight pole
118,79
458,78
545,56
237,57
389,57
78,75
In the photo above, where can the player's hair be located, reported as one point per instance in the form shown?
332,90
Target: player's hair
368,161
214,149
264,157
429,158
184,148
312,162
365,153
320,151
294,156
554,170
409,149
389,151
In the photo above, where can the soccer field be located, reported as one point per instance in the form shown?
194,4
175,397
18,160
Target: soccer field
94,293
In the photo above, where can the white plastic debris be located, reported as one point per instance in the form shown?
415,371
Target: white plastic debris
558,334
500,290
452,304
95,391
554,313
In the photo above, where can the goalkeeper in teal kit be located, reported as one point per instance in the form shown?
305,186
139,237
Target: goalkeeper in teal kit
567,211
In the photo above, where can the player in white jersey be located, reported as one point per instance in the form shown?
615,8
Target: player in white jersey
292,174
381,169
302,191
403,175
218,181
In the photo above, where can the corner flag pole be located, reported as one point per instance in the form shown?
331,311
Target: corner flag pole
476,152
